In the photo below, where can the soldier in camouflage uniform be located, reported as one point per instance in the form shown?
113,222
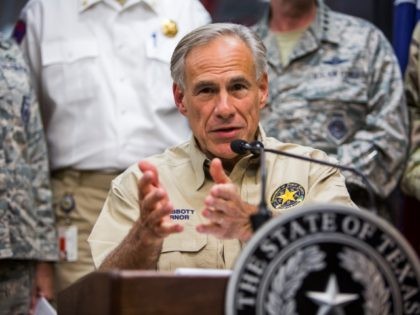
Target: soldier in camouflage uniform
27,235
411,178
335,85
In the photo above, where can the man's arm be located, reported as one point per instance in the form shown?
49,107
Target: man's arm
379,149
141,248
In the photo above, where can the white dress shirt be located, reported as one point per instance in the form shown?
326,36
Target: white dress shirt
103,79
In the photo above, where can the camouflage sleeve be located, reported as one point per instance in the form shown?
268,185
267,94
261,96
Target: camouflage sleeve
30,42
411,179
37,158
379,149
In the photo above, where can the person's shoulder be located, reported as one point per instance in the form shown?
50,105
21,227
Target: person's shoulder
185,11
6,44
416,33
172,157
182,5
168,160
354,24
297,149
45,6
10,53
31,4
356,31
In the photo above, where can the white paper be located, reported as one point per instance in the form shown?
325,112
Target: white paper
43,307
203,272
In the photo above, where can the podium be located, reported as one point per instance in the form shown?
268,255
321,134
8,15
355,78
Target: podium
144,293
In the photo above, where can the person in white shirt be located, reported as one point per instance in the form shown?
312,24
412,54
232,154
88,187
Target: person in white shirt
101,68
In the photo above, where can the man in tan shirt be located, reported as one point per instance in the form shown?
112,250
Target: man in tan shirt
191,205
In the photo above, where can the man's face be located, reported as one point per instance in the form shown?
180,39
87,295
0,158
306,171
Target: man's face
222,97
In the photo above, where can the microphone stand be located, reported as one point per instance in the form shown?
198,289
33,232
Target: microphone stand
263,215
345,168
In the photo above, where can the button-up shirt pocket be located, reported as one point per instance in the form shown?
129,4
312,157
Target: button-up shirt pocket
70,69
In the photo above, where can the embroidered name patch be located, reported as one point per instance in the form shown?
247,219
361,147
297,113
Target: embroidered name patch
287,195
181,214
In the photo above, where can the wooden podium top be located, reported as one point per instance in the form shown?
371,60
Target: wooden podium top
145,293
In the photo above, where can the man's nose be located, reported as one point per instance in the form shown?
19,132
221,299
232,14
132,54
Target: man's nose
224,107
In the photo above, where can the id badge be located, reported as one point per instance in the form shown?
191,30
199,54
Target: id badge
67,242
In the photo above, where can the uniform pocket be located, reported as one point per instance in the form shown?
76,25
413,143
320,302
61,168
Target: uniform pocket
180,250
184,243
70,70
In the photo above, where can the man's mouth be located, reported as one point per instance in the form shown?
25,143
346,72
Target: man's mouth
226,132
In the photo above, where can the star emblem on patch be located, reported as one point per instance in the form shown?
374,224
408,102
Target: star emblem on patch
287,195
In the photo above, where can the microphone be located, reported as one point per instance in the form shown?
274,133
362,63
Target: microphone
257,148
241,147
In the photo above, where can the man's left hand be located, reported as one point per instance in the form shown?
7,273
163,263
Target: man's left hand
229,216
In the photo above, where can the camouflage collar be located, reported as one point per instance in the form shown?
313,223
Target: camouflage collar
324,26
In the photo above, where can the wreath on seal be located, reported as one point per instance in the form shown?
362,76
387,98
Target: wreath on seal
289,277
364,271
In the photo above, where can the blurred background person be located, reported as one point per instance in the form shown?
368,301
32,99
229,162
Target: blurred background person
101,69
28,240
335,85
411,179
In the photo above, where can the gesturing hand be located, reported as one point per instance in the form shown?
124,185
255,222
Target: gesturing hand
229,216
155,206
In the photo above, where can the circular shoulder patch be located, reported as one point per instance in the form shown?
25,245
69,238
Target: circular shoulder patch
287,195
19,31
325,260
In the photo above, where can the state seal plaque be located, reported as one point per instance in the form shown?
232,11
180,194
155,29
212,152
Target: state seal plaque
325,259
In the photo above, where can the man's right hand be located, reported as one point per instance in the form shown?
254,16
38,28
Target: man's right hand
155,206
141,248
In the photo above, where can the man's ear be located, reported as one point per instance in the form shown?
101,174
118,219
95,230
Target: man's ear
179,98
263,86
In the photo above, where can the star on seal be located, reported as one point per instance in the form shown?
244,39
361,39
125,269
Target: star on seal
331,301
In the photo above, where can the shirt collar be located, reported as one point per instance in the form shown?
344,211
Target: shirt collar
85,4
325,27
201,163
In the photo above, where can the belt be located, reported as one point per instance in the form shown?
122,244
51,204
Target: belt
91,178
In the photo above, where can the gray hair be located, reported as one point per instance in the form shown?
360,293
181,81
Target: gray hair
205,34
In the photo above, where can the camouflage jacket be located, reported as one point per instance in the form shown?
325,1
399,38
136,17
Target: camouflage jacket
411,178
341,91
26,218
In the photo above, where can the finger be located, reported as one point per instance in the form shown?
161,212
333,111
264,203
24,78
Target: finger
225,192
216,208
159,223
156,199
146,166
167,227
211,228
145,185
215,216
217,172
